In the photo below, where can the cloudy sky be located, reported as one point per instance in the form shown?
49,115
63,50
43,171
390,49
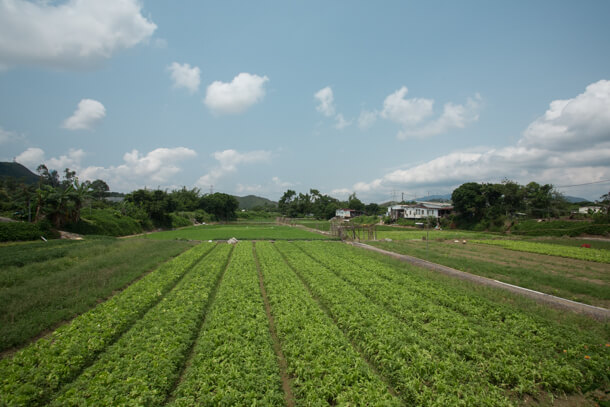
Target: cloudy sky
377,98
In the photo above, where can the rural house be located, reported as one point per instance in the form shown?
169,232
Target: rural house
347,213
420,210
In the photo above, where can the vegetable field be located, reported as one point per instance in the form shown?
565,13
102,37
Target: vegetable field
240,232
304,323
582,253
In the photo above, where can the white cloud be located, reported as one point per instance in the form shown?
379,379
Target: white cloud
228,161
185,77
326,106
583,120
367,119
414,114
88,113
325,100
406,112
341,123
157,167
237,96
71,35
282,184
569,145
31,158
71,160
7,136
249,189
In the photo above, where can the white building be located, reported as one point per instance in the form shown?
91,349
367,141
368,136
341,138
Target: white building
420,210
346,213
589,209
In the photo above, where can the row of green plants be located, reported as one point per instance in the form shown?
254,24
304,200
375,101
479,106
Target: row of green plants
580,253
144,364
519,352
550,276
419,376
432,347
35,373
324,367
42,287
233,360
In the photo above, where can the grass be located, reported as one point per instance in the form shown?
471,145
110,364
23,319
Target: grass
410,234
43,284
577,280
322,225
238,231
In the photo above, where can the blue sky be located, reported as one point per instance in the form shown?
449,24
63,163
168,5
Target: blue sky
258,97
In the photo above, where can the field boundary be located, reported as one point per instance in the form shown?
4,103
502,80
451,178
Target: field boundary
601,314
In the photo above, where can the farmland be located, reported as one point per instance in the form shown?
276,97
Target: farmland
240,232
577,280
307,323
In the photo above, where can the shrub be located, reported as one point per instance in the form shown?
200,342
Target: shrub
108,222
19,231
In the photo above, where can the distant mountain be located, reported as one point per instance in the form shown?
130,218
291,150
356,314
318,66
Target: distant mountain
17,171
575,199
251,201
430,198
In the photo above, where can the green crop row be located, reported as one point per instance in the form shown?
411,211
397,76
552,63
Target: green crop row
580,253
33,374
324,367
233,361
419,375
143,365
514,352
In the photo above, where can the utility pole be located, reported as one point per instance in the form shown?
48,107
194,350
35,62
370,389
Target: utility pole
403,197
211,189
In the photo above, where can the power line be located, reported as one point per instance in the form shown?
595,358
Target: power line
586,183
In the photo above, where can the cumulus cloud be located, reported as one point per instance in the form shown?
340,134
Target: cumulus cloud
583,120
236,96
413,114
88,113
72,35
31,158
184,76
137,170
569,144
228,161
326,104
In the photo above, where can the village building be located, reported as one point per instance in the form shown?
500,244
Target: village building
347,213
420,210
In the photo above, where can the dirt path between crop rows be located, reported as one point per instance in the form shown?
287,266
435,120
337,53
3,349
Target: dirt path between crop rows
598,313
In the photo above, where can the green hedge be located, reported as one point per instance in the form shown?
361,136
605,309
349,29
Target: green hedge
17,231
108,222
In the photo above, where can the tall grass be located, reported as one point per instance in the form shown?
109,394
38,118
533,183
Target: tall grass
42,285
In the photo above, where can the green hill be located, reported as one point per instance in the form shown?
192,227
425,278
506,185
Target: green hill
252,201
17,171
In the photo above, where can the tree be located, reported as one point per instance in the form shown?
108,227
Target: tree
469,202
223,206
354,203
99,189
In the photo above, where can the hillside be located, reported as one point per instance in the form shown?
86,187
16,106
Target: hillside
18,171
251,201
